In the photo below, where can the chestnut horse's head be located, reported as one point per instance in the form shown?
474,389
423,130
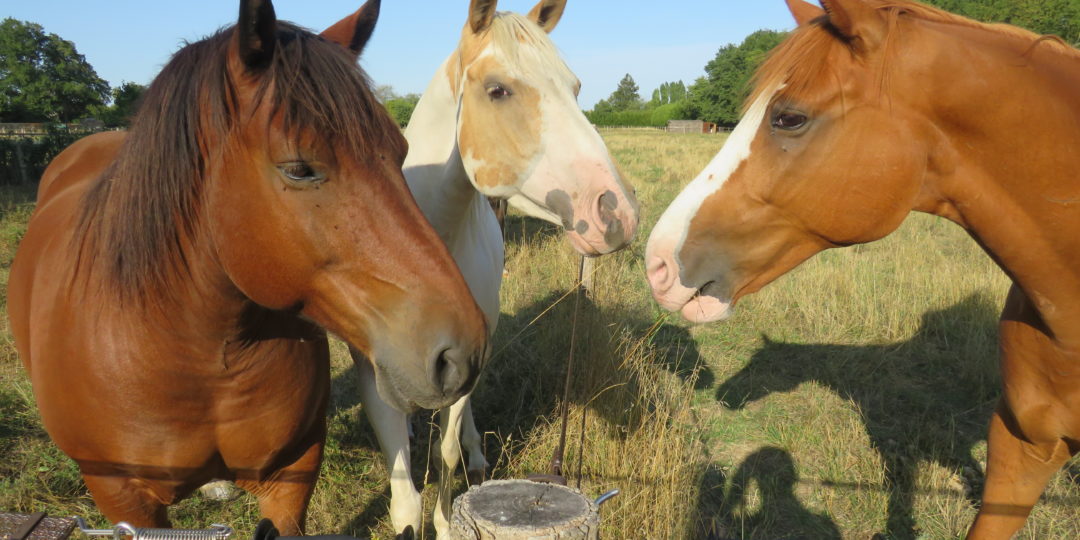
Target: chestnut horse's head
831,151
285,173
522,135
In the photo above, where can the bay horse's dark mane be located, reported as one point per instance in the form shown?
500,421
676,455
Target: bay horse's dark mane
800,63
146,206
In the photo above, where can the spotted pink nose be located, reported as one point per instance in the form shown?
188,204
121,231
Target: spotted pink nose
617,223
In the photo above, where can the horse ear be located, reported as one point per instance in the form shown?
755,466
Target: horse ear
547,13
856,20
354,31
256,33
804,12
481,12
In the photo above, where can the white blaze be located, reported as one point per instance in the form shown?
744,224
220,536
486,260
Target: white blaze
670,232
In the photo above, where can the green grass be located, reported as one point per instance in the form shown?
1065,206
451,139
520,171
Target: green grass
847,399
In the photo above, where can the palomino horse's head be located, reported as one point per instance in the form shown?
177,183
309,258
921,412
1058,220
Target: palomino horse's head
831,151
523,137
298,198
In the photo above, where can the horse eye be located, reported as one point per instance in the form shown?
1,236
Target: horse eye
300,172
497,92
789,121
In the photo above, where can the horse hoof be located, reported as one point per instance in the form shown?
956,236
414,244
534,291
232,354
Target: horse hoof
220,490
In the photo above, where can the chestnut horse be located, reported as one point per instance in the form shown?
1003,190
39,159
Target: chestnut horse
499,119
872,109
170,297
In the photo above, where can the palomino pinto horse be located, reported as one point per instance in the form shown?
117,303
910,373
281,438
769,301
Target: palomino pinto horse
500,119
170,295
874,108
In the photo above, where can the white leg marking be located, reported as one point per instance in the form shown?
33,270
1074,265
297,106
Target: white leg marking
449,458
471,440
406,505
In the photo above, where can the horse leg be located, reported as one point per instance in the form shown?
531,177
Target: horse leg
391,429
132,500
129,499
476,465
450,427
1017,472
285,494
1025,446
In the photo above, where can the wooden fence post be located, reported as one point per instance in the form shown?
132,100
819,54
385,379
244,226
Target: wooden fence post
23,178
588,265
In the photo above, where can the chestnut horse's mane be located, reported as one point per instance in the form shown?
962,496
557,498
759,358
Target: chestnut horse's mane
800,63
146,205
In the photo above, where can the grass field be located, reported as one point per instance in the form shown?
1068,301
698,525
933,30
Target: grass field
849,399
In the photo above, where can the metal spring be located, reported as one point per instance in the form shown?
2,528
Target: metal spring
216,531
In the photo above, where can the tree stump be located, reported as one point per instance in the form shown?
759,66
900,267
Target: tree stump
521,509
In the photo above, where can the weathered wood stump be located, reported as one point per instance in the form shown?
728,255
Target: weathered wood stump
521,509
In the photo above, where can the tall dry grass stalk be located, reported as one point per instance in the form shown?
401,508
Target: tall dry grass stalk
641,433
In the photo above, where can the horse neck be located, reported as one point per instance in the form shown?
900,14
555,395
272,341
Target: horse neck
1011,174
433,167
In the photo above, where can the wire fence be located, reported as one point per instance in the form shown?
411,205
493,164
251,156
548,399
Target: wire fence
668,129
26,149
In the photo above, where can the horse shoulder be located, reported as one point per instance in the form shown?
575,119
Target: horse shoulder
46,243
80,163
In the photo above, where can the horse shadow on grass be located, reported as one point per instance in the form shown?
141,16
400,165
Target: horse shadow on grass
522,384
926,399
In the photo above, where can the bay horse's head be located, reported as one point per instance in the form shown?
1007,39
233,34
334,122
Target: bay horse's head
281,173
522,135
831,151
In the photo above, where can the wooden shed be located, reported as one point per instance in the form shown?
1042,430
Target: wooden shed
690,126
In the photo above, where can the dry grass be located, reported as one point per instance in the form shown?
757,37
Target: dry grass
847,399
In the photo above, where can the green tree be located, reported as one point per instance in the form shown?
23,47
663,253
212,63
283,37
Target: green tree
43,77
625,97
1057,17
667,93
603,107
384,93
718,96
402,107
125,101
678,92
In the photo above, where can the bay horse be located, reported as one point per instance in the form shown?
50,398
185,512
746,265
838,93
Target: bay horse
872,109
499,119
171,297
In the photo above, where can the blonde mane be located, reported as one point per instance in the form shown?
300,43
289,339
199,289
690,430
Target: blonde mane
800,63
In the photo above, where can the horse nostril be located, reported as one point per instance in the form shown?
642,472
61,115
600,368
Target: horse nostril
452,372
442,371
610,220
605,209
659,273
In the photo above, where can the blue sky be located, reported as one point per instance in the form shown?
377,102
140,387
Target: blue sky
601,40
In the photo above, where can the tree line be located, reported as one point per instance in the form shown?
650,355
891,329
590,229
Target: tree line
719,94
43,78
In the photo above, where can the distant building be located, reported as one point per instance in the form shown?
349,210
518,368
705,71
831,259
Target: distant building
690,126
